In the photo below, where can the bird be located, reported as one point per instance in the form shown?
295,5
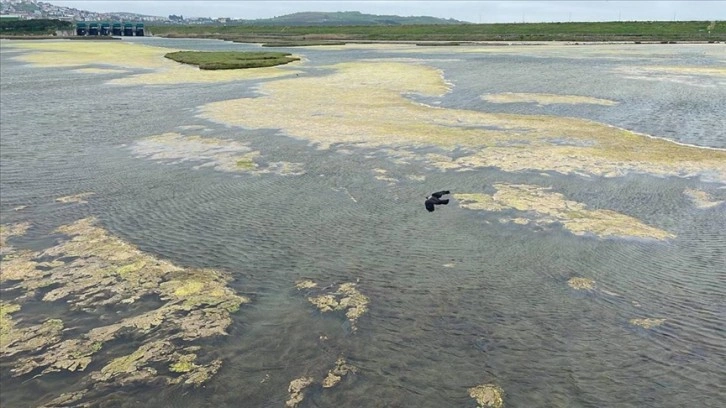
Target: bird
435,199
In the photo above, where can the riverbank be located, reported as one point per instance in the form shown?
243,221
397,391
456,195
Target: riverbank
614,32
629,31
302,43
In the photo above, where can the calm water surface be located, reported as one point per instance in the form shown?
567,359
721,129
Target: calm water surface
500,311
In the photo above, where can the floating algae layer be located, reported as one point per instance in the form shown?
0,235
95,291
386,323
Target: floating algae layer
647,323
548,207
131,56
487,396
681,75
76,198
346,298
545,99
365,104
219,154
7,231
336,374
100,71
296,389
548,49
15,340
6,322
718,72
581,283
305,284
92,271
701,198
381,174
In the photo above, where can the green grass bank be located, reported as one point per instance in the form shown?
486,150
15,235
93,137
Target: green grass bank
231,59
664,31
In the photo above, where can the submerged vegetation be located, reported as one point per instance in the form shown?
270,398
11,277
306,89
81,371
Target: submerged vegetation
548,208
94,271
213,60
581,283
328,112
220,154
487,396
647,323
544,99
347,298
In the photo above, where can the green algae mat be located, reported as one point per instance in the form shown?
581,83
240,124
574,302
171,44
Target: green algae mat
231,59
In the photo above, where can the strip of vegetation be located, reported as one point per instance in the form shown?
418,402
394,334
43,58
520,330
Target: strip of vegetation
434,44
302,43
600,31
34,27
231,59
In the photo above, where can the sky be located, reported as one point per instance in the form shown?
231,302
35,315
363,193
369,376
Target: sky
475,11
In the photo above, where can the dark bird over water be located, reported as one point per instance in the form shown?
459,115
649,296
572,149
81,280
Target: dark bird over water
435,199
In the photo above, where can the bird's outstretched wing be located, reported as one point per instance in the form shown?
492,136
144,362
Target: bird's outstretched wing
429,205
438,194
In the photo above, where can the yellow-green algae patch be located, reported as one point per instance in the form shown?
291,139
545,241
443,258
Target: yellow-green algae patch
707,77
365,103
336,374
14,339
67,399
549,207
6,323
13,230
75,198
102,271
647,323
545,99
701,198
296,390
381,174
305,284
220,154
689,70
132,56
100,71
136,367
581,283
67,355
346,298
298,386
553,49
185,364
487,396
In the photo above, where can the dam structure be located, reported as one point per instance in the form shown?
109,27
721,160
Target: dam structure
106,28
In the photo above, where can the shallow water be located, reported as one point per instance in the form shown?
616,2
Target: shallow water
457,298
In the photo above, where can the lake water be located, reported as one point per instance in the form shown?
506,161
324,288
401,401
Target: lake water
457,298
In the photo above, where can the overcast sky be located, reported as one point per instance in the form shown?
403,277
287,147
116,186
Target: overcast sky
491,11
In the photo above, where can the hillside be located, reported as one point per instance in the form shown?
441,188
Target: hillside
346,18
26,9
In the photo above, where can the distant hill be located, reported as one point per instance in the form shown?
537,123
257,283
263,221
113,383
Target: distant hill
38,9
346,18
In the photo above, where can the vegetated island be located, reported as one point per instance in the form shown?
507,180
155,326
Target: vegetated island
213,60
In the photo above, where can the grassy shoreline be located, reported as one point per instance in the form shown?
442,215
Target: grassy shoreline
692,31
616,31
